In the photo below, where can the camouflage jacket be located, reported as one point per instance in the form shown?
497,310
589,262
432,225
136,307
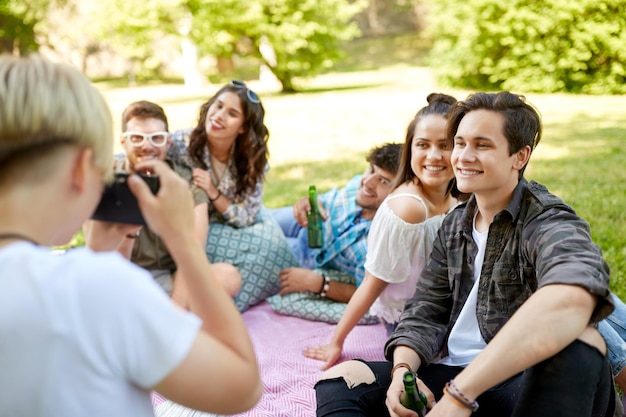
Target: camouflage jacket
536,240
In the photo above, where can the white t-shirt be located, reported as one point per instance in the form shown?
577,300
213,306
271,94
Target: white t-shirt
397,252
466,341
84,334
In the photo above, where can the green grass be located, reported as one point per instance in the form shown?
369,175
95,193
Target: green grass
321,135
582,160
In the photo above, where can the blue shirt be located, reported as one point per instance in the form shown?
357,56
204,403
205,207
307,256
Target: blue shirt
345,231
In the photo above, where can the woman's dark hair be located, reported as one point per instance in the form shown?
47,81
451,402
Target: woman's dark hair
438,104
250,152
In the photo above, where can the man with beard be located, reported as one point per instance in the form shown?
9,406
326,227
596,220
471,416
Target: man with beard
145,137
347,214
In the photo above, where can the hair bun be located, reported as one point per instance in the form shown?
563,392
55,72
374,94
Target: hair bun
440,97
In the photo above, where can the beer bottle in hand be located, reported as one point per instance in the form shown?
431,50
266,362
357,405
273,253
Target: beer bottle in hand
411,398
315,228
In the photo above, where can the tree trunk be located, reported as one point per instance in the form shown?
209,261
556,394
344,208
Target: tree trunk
225,64
191,73
287,83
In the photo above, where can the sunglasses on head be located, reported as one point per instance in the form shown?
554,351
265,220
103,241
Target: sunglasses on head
251,94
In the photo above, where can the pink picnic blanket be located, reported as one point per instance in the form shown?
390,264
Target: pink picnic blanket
288,377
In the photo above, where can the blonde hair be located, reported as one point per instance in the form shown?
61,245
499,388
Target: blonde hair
45,106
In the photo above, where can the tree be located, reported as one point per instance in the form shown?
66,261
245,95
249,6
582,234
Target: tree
305,35
18,20
138,31
71,40
541,46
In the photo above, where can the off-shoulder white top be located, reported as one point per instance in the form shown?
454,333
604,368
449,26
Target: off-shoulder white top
397,252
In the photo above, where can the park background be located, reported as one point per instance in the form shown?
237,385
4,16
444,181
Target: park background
337,77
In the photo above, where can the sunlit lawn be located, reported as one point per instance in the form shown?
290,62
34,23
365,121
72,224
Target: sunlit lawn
321,136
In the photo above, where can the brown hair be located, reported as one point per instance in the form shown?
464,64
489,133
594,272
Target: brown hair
143,110
250,149
522,122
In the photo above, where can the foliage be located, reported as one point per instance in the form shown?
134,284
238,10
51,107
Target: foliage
135,30
293,38
543,46
17,24
372,53
305,35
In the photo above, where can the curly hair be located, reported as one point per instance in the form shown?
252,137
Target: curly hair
250,152
386,157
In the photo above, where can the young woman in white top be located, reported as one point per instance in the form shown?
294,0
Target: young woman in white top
404,227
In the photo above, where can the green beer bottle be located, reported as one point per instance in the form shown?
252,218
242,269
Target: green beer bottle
412,398
315,228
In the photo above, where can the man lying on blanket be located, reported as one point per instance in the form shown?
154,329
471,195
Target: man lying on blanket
347,214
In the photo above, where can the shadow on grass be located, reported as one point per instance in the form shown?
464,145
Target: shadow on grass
373,53
195,97
305,90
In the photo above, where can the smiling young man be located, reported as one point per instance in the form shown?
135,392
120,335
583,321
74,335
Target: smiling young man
502,315
347,214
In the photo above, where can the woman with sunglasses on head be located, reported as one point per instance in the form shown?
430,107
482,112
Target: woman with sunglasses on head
145,136
228,151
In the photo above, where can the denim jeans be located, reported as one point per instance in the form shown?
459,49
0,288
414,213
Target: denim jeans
296,235
574,382
613,329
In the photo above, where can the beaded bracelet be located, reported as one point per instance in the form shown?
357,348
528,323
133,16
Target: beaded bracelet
325,286
322,286
454,392
454,399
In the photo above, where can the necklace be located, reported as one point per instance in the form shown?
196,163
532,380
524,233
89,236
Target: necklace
17,236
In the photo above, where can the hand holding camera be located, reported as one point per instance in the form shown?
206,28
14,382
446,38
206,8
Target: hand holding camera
118,204
161,200
169,212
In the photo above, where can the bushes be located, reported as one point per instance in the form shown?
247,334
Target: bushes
538,46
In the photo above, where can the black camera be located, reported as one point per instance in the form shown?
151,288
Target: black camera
118,204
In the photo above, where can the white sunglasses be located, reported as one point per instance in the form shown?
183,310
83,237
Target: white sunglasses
157,139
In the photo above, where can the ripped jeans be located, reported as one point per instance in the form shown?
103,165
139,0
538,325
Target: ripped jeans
575,382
